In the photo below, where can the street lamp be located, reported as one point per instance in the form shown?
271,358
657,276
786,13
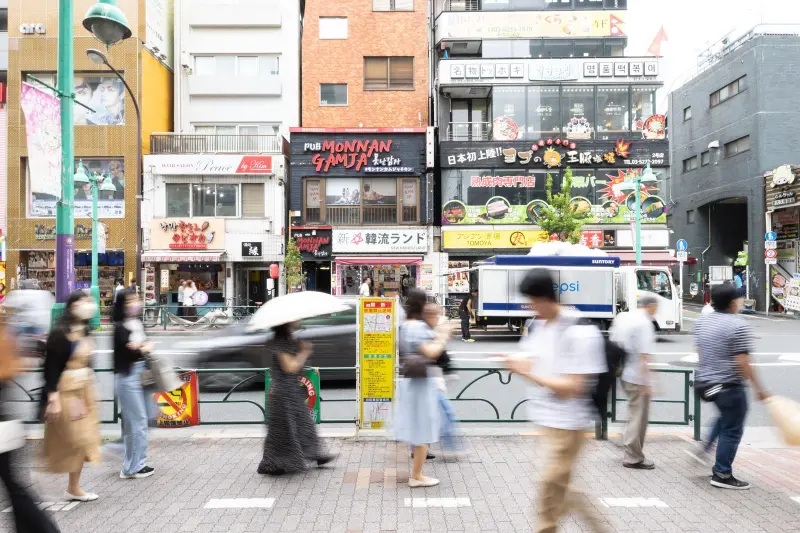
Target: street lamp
103,184
634,183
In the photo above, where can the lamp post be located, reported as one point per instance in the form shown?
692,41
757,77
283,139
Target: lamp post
634,183
107,185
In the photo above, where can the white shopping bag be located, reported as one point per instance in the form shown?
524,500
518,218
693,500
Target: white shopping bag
785,414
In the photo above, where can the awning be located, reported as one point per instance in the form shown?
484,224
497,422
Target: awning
182,256
378,260
649,258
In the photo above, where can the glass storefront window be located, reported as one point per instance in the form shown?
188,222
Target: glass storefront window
643,103
227,200
578,112
505,48
508,113
544,111
612,111
589,48
178,203
614,47
558,48
203,200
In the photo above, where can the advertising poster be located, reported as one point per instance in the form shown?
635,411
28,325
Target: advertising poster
520,198
105,96
309,382
179,408
343,191
111,196
43,127
457,277
3,289
379,191
377,351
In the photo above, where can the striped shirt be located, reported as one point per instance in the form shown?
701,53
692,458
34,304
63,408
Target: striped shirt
720,337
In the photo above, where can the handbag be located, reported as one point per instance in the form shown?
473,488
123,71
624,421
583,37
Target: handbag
785,414
413,366
12,435
162,372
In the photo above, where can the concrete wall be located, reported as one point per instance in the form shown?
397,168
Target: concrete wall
765,111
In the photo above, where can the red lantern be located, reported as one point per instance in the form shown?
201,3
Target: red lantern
274,271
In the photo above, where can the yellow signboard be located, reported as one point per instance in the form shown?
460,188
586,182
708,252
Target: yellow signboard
464,239
376,342
514,24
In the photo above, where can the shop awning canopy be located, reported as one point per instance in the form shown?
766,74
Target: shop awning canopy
182,256
378,260
649,258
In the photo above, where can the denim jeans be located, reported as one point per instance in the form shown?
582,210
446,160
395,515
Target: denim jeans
450,441
135,413
729,427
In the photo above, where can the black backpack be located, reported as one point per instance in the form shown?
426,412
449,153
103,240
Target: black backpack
615,359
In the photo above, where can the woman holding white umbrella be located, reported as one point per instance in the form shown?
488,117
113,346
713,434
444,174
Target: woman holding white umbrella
292,441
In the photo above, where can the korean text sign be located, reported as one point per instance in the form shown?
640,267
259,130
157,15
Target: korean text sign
377,356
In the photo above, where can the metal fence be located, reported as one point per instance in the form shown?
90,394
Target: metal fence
504,377
205,317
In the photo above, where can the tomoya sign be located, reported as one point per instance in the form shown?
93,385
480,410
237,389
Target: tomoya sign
350,154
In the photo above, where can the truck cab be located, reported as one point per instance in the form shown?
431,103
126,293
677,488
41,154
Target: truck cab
656,280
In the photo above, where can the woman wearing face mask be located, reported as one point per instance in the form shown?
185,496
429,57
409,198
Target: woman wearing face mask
130,348
72,428
292,438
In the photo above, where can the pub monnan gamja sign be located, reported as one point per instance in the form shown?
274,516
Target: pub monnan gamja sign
352,154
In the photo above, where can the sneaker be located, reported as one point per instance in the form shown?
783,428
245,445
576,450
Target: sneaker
325,459
644,465
424,482
698,453
141,474
468,340
728,483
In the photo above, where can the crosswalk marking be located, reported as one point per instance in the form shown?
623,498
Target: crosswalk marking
438,502
796,499
240,503
633,502
50,506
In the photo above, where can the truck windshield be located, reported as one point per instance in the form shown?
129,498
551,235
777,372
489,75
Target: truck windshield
655,281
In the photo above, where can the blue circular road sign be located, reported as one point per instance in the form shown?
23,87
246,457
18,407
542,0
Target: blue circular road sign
770,236
682,245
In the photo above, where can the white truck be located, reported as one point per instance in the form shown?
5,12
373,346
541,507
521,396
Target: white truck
597,286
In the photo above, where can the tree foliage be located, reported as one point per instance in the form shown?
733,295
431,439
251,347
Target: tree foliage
559,217
293,267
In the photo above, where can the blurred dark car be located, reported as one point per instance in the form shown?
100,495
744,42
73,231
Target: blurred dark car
333,337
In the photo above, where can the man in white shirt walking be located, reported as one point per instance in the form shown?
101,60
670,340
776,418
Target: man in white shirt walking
634,331
565,359
364,289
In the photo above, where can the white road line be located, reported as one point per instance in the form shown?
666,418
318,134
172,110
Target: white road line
633,502
438,502
164,352
795,499
50,506
240,503
790,357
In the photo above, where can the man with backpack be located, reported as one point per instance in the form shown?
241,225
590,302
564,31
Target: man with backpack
565,358
634,331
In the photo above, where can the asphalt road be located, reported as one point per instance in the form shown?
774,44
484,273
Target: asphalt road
484,395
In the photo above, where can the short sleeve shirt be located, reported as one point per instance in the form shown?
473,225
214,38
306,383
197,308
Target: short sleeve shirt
634,331
720,337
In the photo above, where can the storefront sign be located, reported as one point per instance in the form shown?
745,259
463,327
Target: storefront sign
493,239
592,238
554,152
164,280
187,234
782,176
379,240
528,24
48,233
376,348
457,277
514,72
205,165
251,249
650,238
179,408
786,223
345,155
784,198
314,244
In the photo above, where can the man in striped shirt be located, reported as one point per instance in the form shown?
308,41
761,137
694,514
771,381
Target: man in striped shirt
724,344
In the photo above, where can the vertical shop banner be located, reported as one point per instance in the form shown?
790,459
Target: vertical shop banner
309,381
179,408
43,127
376,358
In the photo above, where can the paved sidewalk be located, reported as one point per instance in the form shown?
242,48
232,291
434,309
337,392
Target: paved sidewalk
210,484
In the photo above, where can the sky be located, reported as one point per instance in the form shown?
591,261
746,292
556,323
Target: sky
692,26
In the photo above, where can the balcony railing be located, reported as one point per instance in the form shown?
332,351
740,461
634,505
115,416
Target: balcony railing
462,5
180,143
469,131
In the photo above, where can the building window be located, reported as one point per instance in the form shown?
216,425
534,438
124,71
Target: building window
505,48
354,201
742,144
687,113
333,27
612,111
230,66
705,158
233,129
388,73
4,19
252,200
727,92
589,48
577,112
333,94
509,104
544,111
690,216
690,164
202,200
643,105
393,5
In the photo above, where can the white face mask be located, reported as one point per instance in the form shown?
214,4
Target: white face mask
86,310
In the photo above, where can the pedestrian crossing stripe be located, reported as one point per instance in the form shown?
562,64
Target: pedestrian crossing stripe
50,506
437,502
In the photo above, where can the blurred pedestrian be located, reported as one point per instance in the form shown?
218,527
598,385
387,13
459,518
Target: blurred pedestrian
292,438
634,331
118,288
565,359
418,417
133,287
465,313
364,290
188,299
380,291
71,430
130,349
724,343
28,518
181,289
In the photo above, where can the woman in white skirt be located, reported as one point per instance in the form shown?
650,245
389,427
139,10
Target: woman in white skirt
418,422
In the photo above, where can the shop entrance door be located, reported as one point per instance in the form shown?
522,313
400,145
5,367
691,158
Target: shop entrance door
257,286
318,276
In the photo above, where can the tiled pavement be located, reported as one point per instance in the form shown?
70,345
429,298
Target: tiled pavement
366,491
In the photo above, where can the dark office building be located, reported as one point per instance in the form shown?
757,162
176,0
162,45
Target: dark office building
730,126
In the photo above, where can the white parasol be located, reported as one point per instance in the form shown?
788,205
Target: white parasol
293,307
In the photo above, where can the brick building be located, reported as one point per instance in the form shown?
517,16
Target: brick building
361,188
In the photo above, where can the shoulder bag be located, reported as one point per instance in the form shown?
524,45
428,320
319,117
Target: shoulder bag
412,364
162,373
